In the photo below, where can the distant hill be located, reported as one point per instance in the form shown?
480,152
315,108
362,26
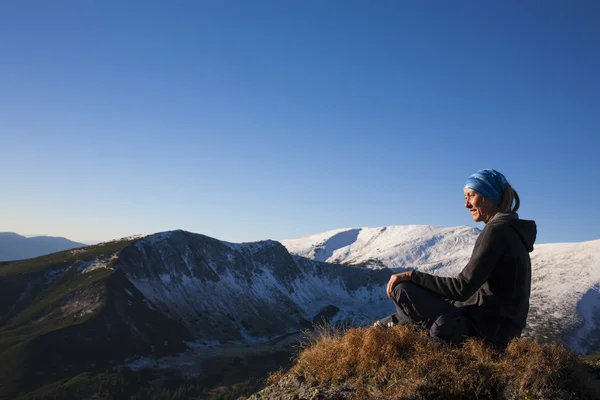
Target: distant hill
16,247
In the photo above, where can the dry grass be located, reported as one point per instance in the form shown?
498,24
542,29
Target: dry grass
403,362
275,377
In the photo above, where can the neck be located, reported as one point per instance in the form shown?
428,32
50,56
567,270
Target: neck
488,218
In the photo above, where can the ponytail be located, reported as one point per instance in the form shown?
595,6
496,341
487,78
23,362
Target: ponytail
510,200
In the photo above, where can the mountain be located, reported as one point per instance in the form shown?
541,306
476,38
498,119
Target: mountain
133,301
565,293
183,303
248,292
395,247
17,247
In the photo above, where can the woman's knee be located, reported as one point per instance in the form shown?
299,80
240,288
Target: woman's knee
405,287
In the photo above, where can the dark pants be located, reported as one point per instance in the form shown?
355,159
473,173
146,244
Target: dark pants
416,305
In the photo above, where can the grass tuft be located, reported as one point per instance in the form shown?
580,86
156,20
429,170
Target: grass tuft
403,362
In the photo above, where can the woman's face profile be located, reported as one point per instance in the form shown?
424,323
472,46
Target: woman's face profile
479,207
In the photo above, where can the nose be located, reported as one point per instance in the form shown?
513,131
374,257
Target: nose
468,204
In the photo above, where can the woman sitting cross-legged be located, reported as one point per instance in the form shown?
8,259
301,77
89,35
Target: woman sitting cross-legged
489,299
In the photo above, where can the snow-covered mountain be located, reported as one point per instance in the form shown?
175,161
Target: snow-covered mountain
16,247
565,295
394,247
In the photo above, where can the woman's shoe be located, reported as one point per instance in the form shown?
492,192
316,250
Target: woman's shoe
387,322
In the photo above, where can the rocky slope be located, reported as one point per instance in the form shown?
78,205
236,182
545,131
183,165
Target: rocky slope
225,292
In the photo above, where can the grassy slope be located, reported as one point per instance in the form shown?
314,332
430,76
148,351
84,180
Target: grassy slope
138,386
8,269
23,337
42,299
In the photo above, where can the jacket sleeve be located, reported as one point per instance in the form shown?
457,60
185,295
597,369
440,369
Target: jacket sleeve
488,250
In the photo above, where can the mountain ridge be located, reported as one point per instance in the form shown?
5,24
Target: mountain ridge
393,246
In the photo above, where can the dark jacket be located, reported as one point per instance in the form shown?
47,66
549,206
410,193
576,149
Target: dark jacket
495,285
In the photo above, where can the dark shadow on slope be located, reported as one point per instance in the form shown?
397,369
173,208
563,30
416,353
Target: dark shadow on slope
587,337
337,242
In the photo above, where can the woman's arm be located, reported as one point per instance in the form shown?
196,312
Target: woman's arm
489,248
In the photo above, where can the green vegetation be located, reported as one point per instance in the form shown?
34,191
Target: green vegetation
139,386
37,318
20,345
36,315
594,357
222,377
67,257
70,283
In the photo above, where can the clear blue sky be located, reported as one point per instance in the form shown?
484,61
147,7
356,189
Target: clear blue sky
249,120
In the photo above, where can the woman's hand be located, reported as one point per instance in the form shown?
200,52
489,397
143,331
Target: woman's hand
396,279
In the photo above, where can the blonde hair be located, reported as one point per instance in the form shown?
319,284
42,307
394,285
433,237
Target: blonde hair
510,200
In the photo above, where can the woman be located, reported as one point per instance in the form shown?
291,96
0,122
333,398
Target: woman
490,297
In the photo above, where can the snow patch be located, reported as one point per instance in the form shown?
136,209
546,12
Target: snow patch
97,263
78,251
126,238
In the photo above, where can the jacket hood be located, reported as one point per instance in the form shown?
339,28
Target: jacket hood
526,229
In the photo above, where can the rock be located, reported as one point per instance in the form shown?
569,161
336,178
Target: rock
294,387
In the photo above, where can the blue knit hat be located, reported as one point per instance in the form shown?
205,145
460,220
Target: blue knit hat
488,183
